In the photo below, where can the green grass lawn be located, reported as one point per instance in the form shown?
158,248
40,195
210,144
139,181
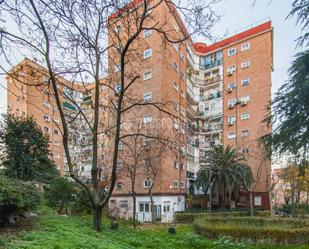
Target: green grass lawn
60,232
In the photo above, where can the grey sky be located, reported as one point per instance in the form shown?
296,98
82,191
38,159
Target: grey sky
237,15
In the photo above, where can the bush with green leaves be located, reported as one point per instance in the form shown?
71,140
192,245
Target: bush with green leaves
271,230
16,197
60,194
299,209
82,203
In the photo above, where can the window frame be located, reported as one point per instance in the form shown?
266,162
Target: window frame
148,50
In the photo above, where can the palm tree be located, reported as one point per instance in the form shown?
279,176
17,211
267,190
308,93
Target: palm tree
226,168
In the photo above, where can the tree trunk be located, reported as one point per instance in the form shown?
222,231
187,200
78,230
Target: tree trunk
251,204
293,204
134,203
153,218
97,218
270,203
134,209
230,198
210,198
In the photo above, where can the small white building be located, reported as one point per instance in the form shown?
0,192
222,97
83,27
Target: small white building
165,207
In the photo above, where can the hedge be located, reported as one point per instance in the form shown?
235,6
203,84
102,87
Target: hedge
272,230
16,197
183,217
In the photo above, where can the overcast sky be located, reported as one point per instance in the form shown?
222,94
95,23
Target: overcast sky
240,14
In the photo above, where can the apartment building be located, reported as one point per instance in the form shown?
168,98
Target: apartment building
217,95
229,88
30,94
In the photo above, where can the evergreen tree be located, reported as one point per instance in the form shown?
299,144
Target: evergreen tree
26,150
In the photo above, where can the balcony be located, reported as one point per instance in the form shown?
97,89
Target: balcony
69,106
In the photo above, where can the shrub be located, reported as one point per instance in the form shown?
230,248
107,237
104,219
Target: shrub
114,225
60,193
281,231
171,230
16,197
82,203
301,209
185,217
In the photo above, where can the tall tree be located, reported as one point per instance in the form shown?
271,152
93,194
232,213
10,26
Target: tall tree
26,150
70,39
300,9
226,168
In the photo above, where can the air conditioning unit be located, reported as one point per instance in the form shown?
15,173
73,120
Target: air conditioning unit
229,90
230,123
229,72
231,106
243,102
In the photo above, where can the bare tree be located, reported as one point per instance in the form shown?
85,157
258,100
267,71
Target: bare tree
76,40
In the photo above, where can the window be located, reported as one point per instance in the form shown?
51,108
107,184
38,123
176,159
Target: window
47,118
176,46
242,200
118,28
245,46
245,133
46,105
231,51
244,116
147,119
231,120
182,94
175,106
231,69
118,88
244,99
166,207
245,82
231,102
117,68
123,204
182,184
147,141
147,97
56,143
46,129
147,53
148,75
118,186
147,183
232,85
175,85
147,162
120,145
231,135
176,27
182,57
119,165
175,66
182,111
245,64
144,207
175,125
182,76
245,150
175,184
258,200
175,164
56,132
147,32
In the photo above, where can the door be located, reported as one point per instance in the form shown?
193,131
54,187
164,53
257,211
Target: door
157,212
